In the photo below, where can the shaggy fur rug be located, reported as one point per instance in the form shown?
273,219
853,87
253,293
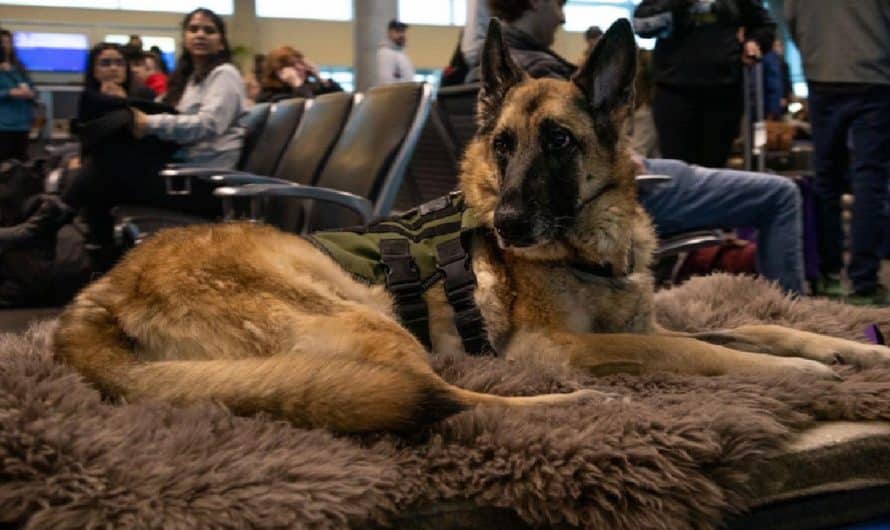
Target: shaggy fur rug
676,453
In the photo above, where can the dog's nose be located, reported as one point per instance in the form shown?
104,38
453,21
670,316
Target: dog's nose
514,227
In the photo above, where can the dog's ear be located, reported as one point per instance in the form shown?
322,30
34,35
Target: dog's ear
607,77
498,73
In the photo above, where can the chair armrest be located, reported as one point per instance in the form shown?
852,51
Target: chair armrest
356,203
178,177
179,180
648,182
194,171
688,241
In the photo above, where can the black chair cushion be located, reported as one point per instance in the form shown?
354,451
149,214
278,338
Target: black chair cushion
270,144
367,146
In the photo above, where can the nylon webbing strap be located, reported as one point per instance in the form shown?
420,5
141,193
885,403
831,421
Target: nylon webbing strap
403,282
460,283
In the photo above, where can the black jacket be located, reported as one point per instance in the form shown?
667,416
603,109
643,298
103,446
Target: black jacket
531,57
697,41
309,89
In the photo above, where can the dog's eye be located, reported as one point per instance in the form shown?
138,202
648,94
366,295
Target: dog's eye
501,146
559,139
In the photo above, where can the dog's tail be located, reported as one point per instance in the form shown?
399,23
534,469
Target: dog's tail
340,394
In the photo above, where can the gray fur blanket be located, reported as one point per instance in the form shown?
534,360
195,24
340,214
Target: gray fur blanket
678,452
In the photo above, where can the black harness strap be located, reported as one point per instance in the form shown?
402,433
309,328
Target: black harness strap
460,283
403,282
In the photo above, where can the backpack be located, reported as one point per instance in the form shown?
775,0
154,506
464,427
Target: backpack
734,255
44,272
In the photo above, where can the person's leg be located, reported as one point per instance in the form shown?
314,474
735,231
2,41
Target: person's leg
13,144
871,166
677,121
721,114
699,197
830,159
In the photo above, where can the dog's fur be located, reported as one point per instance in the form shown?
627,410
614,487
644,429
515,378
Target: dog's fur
264,322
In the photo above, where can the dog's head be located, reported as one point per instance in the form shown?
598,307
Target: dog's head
548,160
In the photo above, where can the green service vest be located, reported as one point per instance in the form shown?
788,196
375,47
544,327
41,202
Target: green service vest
410,253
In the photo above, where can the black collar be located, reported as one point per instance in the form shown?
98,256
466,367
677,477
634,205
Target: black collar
587,272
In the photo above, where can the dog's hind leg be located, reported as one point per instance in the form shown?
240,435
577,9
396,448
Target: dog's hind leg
367,336
354,372
782,341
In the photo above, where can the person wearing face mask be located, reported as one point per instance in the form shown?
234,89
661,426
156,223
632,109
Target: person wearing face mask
288,74
199,124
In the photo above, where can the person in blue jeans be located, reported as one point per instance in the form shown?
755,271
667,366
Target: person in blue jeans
845,47
699,197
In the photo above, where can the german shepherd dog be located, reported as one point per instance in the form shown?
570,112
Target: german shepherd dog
263,321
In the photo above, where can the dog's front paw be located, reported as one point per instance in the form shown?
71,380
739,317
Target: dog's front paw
807,368
848,352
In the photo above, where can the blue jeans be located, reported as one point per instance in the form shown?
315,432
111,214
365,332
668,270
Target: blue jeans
698,198
864,118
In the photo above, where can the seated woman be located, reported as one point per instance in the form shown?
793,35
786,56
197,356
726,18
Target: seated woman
288,74
108,83
127,141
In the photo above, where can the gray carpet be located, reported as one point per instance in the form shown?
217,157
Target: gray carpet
679,452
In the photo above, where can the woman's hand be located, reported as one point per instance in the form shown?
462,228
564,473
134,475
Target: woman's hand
110,88
290,77
140,122
21,92
751,53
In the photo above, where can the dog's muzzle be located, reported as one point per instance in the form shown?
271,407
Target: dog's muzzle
515,228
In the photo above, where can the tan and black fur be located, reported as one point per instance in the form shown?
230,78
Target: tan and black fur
262,321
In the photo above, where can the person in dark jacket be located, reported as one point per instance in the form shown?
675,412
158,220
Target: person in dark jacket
108,83
845,47
700,49
288,74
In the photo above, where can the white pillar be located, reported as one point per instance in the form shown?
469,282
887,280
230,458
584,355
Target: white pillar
370,18
242,28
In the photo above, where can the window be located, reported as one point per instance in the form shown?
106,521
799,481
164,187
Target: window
314,9
52,52
341,74
581,14
428,75
166,44
434,12
222,7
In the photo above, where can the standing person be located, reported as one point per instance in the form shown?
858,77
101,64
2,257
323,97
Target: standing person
16,102
698,71
135,42
592,36
474,32
787,86
289,74
845,47
393,65
696,197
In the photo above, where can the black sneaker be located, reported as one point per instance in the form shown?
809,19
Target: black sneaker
877,296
